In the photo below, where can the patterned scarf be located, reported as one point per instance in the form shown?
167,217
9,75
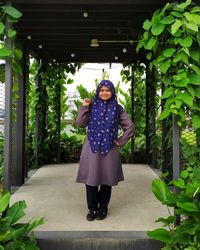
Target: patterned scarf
103,121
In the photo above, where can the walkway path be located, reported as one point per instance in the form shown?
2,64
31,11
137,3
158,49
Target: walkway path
53,193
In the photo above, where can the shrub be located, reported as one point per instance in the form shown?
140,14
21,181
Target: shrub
15,235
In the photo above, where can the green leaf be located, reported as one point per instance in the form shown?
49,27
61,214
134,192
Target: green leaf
4,201
2,27
11,33
181,56
177,40
160,58
177,14
146,35
169,52
195,55
12,19
163,193
164,114
186,97
35,223
19,232
182,6
16,211
196,121
151,43
192,26
11,11
180,76
160,234
157,28
167,221
188,206
192,18
4,52
194,79
195,9
179,183
147,24
186,50
191,90
168,92
195,68
149,55
166,7
186,42
164,65
18,54
178,103
167,20
197,92
184,174
176,26
16,67
182,83
139,45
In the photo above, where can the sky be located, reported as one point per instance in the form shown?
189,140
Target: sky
91,71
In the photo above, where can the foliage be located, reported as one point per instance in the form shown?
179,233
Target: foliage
137,74
13,234
173,40
172,37
11,15
71,147
186,204
43,102
83,93
189,153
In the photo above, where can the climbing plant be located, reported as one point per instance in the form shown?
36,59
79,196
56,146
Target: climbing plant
48,104
10,15
172,38
173,41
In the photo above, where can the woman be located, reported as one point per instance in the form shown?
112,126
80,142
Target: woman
100,164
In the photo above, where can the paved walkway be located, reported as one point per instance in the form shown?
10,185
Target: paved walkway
53,193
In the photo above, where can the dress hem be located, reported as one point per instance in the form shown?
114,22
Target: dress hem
85,182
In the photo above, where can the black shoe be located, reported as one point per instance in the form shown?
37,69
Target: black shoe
91,215
101,215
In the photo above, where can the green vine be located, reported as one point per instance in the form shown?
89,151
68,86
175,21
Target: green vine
10,15
48,101
173,39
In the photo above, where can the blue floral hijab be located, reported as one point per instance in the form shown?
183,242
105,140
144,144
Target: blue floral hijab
103,120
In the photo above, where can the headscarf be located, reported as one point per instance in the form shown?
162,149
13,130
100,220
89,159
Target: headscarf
103,123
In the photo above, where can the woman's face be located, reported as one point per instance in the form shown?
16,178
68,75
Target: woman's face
105,93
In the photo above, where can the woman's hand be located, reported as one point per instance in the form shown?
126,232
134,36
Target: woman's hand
86,101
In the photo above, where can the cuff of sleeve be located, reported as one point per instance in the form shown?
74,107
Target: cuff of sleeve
84,108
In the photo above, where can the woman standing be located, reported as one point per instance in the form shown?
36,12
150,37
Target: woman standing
100,163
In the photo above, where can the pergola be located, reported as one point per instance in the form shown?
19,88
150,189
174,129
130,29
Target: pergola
62,30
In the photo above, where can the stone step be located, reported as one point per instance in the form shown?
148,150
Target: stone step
95,240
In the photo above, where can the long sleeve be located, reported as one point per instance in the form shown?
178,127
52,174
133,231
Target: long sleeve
127,126
82,118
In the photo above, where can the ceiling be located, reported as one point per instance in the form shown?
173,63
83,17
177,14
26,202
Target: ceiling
61,29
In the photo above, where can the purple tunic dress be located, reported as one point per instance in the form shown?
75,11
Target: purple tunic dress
95,169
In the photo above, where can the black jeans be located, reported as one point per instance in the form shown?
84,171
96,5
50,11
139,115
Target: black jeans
98,198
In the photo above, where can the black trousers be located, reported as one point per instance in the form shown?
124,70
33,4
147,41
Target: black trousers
98,197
